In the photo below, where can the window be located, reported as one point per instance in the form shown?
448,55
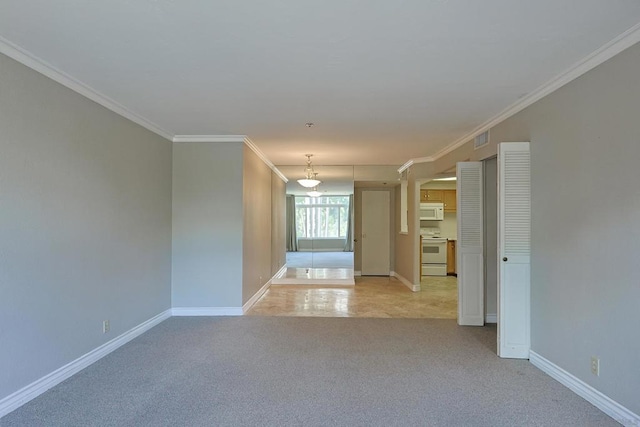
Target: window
318,217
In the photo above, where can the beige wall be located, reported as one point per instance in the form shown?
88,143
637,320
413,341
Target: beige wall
407,255
278,223
585,289
256,236
584,167
85,225
439,185
228,224
207,257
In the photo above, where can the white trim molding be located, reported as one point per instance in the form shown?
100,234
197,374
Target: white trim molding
406,166
589,62
43,67
491,318
36,388
407,283
357,273
607,405
247,305
206,311
264,158
424,159
209,138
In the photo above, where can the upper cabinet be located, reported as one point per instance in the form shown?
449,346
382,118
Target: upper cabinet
432,196
449,199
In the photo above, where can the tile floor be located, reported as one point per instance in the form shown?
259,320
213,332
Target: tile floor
315,276
370,297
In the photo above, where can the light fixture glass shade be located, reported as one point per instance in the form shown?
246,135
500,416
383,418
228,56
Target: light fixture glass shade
311,178
314,193
308,182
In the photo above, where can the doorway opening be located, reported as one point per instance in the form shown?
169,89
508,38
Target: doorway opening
438,234
319,230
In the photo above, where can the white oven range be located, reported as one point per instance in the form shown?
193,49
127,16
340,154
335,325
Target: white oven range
434,256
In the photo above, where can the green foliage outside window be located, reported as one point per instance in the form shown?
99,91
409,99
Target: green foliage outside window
318,217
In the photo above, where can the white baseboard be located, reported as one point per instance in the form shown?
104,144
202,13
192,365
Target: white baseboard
491,318
36,388
206,311
340,249
247,305
408,284
607,405
357,273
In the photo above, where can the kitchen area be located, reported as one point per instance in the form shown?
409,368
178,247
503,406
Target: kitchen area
438,228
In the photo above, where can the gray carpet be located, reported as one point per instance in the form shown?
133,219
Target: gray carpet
277,371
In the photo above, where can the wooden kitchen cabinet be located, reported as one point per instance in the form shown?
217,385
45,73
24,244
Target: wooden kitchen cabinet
451,258
435,196
449,198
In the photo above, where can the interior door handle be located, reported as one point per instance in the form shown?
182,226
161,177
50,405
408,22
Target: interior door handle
505,259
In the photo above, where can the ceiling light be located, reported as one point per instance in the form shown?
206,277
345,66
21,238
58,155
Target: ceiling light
309,181
451,178
314,192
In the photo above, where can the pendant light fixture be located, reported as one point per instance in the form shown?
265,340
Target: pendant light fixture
314,192
309,181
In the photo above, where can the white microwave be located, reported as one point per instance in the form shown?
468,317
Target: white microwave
431,211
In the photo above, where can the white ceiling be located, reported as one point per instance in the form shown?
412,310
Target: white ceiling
384,81
335,180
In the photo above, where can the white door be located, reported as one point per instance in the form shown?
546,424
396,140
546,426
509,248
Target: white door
514,249
469,251
375,233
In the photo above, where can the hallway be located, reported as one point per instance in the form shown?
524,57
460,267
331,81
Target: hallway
383,297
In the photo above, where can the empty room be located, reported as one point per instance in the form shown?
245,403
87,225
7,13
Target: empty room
319,213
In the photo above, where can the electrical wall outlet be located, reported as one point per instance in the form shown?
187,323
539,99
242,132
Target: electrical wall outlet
595,365
105,326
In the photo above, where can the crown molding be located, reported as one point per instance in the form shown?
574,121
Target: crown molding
604,53
209,138
405,166
264,158
589,62
424,159
41,66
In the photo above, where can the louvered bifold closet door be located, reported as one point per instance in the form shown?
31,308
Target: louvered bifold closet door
470,256
514,247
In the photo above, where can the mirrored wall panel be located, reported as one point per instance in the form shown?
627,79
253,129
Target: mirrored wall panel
320,220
